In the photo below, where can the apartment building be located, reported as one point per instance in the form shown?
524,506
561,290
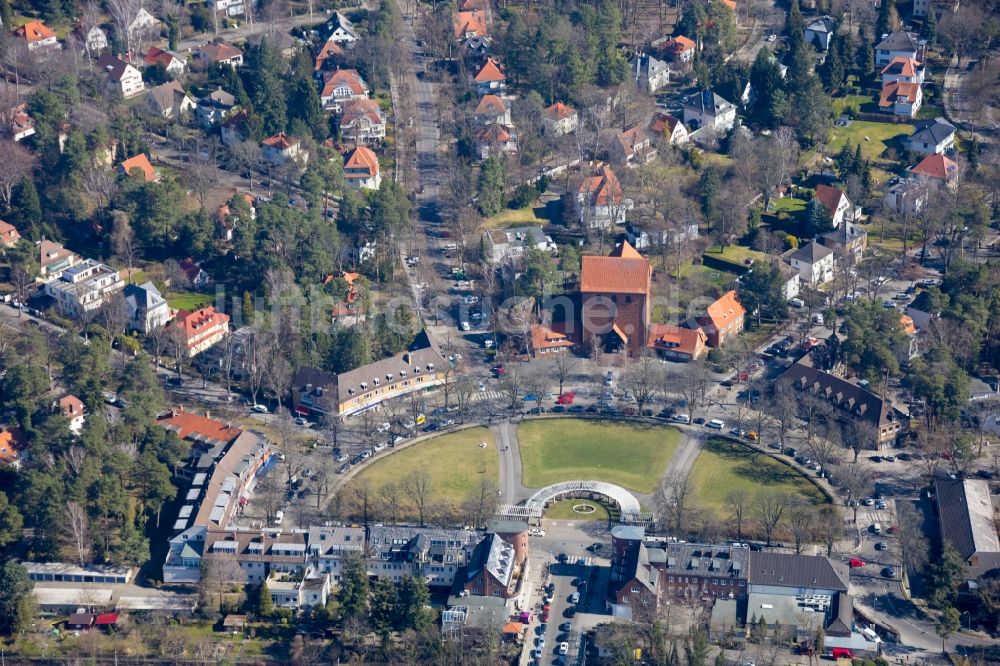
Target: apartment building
84,287
201,329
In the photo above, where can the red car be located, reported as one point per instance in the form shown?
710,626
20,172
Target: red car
566,398
855,562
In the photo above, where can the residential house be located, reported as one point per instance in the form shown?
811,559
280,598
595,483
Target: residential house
84,287
419,368
848,241
53,259
813,261
901,99
493,570
361,169
340,86
362,121
72,408
232,8
495,140
36,35
12,446
940,7
169,100
935,137
905,195
228,220
650,74
234,128
903,70
200,329
196,276
911,348
632,147
470,5
440,556
669,128
9,235
791,281
144,22
677,49
219,53
147,309
94,39
139,165
469,24
707,109
677,343
899,44
968,524
600,200
492,110
490,78
820,31
723,319
281,147
546,342
477,48
22,125
646,238
341,30
503,245
837,204
213,107
121,76
936,169
634,582
299,591
559,120
615,300
887,422
174,63
328,54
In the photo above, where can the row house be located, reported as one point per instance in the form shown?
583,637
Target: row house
84,287
441,556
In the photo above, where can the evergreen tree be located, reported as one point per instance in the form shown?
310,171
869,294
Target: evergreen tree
26,209
263,604
246,309
491,186
353,593
768,99
929,30
865,59
384,607
817,218
17,604
888,18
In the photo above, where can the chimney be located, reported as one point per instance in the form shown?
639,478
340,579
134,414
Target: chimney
208,414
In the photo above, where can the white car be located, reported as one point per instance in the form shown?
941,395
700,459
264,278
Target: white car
260,409
682,418
574,598
888,305
465,326
534,531
563,647
716,424
278,517
383,427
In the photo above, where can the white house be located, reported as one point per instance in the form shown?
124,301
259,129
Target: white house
281,147
560,119
172,62
147,309
511,244
707,109
84,287
644,239
899,44
222,53
791,281
341,29
905,195
36,35
342,85
362,121
213,107
650,74
230,7
144,22
492,110
901,99
819,32
668,127
495,139
121,76
906,70
837,204
361,169
813,261
935,137
94,39
73,409
169,100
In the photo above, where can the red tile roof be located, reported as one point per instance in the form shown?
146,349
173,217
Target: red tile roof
902,66
281,141
632,139
899,91
361,108
344,77
559,111
829,196
494,133
361,158
8,233
725,310
663,123
106,619
71,406
155,54
188,425
677,339
543,338
330,49
473,22
936,166
34,31
193,323
140,162
678,45
491,72
12,442
625,271
490,104
605,187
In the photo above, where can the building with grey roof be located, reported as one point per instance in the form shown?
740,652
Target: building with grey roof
493,569
814,262
937,136
708,110
147,309
966,516
807,576
511,244
899,44
436,554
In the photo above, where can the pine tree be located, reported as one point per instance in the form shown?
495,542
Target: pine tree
384,605
263,604
929,29
817,218
353,593
246,311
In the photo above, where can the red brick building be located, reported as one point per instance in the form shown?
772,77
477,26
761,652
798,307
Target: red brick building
615,300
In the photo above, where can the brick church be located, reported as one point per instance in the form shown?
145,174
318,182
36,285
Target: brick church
615,300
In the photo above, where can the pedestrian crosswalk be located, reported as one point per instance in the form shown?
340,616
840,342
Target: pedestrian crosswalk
489,395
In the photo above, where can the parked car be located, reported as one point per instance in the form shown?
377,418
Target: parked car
682,418
855,563
574,598
260,409
889,572
716,424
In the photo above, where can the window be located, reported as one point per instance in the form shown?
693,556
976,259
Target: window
635,590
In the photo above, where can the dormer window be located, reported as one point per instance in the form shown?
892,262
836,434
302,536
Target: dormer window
388,377
351,391
364,385
430,366
402,373
375,381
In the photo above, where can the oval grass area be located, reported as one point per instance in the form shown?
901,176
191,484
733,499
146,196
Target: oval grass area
725,465
563,510
455,464
631,455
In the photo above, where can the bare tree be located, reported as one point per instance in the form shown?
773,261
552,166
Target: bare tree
76,532
16,163
768,510
643,379
268,493
739,506
673,499
481,504
857,482
418,487
510,388
802,521
858,435
913,546
218,572
177,344
114,313
465,389
202,175
537,385
565,365
364,500
829,527
246,156
391,495
131,32
101,184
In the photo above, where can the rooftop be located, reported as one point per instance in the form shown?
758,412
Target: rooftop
625,271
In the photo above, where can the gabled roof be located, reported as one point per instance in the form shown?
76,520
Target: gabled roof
194,426
490,72
543,337
193,323
330,49
220,52
802,571
359,158
663,123
280,141
8,232
845,234
490,105
936,166
896,92
466,23
624,271
114,67
237,122
678,45
830,197
50,252
725,310
168,95
361,108
34,31
494,133
144,296
631,139
676,338
848,396
219,98
967,516
140,162
898,41
902,66
823,24
71,406
12,442
604,187
344,77
155,54
811,252
707,103
559,111
934,133
338,20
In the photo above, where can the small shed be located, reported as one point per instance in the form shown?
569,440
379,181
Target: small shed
234,623
79,621
106,620
513,631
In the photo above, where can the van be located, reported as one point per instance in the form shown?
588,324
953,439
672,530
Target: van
278,517
609,379
870,634
877,528
716,424
682,418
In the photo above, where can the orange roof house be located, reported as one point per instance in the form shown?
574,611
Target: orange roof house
201,329
936,167
615,295
12,444
902,68
490,77
9,234
361,168
600,199
678,49
604,187
188,425
546,341
559,111
469,24
677,343
140,162
900,98
35,34
491,105
723,319
327,53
